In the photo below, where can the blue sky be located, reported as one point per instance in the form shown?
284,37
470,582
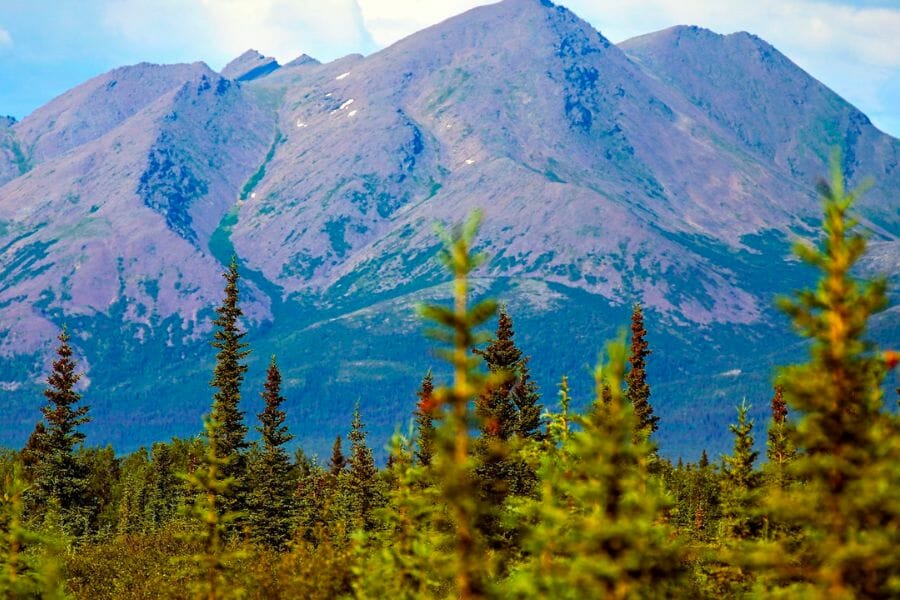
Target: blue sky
49,46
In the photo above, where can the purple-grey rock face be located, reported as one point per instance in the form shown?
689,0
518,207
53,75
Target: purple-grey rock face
249,65
127,214
654,171
303,59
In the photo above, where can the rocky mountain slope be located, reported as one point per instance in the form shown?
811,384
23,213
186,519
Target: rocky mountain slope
673,169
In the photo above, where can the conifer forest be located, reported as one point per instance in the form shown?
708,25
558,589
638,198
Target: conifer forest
493,488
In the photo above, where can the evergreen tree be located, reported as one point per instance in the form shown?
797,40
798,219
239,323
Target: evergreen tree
596,529
638,390
425,421
362,489
227,379
779,450
165,491
27,568
527,400
34,449
135,495
58,477
848,463
14,577
270,500
740,482
209,513
560,423
508,412
400,559
495,408
452,465
337,463
314,498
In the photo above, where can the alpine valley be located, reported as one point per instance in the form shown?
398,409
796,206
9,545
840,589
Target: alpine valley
675,169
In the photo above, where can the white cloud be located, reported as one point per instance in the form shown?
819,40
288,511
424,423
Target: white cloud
222,29
6,40
391,20
287,28
868,35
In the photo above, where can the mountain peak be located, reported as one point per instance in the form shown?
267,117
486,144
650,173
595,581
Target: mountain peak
302,60
250,65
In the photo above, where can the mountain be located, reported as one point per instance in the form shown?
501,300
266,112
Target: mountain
674,169
250,65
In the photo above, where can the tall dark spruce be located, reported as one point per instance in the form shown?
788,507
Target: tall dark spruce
495,408
638,390
362,476
58,477
779,449
338,461
231,441
270,498
424,414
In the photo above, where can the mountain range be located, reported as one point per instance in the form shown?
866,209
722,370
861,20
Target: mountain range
674,169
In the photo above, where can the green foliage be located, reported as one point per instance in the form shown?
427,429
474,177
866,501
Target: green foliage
28,560
845,504
597,527
404,559
57,476
453,466
425,421
780,451
478,500
227,379
499,472
338,462
207,510
361,485
741,483
270,500
638,390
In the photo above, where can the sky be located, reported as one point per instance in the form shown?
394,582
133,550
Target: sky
49,46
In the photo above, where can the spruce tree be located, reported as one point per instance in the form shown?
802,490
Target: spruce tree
741,482
425,421
846,508
452,465
270,501
597,530
509,412
211,518
28,564
363,488
400,558
338,462
527,400
59,477
165,491
227,379
779,450
559,426
495,409
34,449
638,390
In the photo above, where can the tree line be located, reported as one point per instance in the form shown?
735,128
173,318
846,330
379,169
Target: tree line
494,492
